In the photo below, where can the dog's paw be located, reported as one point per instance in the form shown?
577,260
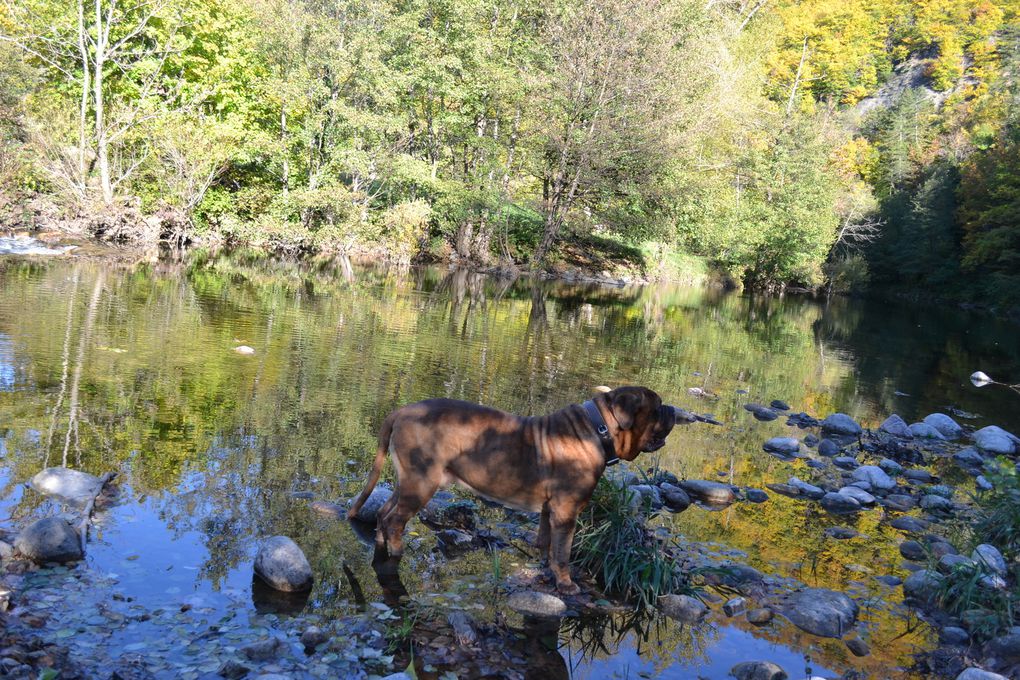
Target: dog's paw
567,588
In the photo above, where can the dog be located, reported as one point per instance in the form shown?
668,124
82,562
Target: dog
548,464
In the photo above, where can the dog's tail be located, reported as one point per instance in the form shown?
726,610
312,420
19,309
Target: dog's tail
377,465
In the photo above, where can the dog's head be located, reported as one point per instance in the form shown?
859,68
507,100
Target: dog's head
642,421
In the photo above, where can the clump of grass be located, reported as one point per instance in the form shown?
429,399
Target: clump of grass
998,520
627,559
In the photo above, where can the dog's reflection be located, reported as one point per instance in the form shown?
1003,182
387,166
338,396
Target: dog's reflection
387,571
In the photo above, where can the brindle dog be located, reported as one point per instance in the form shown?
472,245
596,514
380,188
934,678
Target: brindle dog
548,464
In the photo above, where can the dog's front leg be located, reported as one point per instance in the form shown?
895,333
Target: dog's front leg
562,522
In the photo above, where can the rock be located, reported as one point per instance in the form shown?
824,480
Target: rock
735,606
395,676
683,608
896,426
899,502
73,486
370,510
463,628
939,546
779,405
952,635
534,603
922,585
233,670
621,476
312,637
454,539
990,556
946,426
282,565
828,448
817,464
858,494
982,483
821,612
759,616
840,504
264,650
714,493
50,539
891,467
922,476
995,440
1005,649
650,496
329,509
785,489
675,498
978,674
925,431
949,562
245,350
758,670
801,420
786,446
810,441
756,495
444,510
858,647
844,462
841,533
909,524
760,412
875,476
934,503
992,582
809,490
889,580
912,550
969,457
840,423
6,551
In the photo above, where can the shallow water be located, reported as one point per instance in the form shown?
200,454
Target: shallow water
132,368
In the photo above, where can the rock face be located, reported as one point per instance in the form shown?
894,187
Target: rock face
758,670
993,439
370,510
841,423
534,603
946,426
896,426
50,539
784,446
714,493
683,608
69,485
282,565
821,612
840,504
875,476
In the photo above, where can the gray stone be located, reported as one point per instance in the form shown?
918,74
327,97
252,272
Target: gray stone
785,489
809,490
683,608
946,426
995,440
534,603
858,494
841,533
282,565
675,498
992,582
735,606
370,510
983,484
73,486
817,464
896,426
264,650
759,616
828,448
312,637
912,550
821,612
650,496
785,446
875,476
758,670
840,423
327,509
934,503
919,476
858,647
621,476
909,524
925,431
840,504
763,413
50,539
810,440
990,556
940,546
953,635
714,493
950,561
891,467
232,670
1005,649
899,502
845,462
969,457
978,674
922,585
779,405
756,495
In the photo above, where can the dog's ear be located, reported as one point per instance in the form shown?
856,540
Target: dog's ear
625,406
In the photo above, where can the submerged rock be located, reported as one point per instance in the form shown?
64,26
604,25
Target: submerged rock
534,603
946,426
714,493
896,426
369,512
282,565
821,612
841,423
683,608
70,485
758,670
50,539
993,439
875,476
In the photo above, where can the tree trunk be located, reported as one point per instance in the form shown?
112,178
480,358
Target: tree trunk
84,110
102,140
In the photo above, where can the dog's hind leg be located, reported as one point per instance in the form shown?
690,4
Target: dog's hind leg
410,498
542,542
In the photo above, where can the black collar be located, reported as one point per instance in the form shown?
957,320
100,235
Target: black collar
602,430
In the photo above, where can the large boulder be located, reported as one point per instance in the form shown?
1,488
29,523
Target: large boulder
875,476
948,427
73,486
713,493
995,440
283,566
534,603
842,424
821,612
758,670
369,511
896,426
50,539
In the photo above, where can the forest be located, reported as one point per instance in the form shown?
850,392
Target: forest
840,145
